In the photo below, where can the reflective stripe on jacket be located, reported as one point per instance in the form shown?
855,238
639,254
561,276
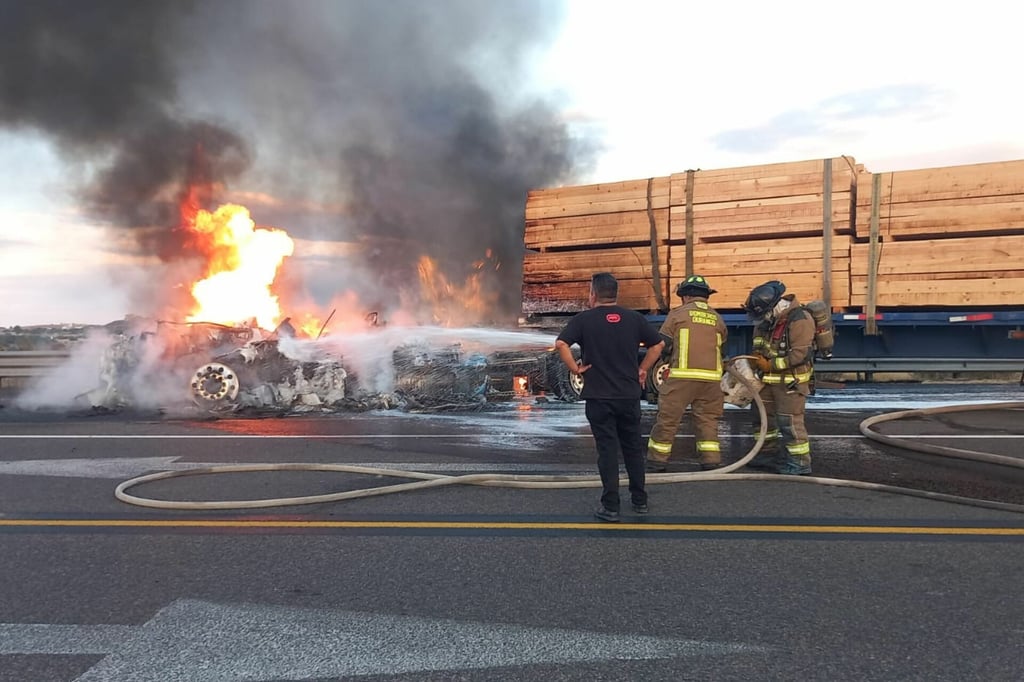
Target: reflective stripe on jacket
698,334
789,344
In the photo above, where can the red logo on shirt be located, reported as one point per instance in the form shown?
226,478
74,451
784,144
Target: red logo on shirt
613,317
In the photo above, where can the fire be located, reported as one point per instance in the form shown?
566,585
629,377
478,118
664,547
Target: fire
452,303
242,262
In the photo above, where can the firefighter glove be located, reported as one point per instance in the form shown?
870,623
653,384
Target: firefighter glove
760,363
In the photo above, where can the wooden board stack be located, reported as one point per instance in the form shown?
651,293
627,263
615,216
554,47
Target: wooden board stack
760,218
947,236
756,223
573,232
734,268
943,236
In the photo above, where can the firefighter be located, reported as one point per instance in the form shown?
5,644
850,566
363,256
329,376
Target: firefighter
696,335
784,355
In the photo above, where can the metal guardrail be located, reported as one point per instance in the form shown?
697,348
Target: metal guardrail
28,364
920,365
20,364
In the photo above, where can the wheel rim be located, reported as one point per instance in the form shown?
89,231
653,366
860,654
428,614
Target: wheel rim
661,371
214,384
576,383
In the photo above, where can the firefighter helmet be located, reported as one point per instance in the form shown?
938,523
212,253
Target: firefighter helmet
763,298
694,285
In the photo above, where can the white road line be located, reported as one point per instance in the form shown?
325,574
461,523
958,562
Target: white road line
129,467
452,436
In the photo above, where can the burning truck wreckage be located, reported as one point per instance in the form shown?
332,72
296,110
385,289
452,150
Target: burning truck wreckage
236,353
225,369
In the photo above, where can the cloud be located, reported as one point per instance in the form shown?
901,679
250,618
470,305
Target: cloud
838,116
6,243
53,299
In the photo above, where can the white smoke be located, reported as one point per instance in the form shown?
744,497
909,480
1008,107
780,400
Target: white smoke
368,355
79,374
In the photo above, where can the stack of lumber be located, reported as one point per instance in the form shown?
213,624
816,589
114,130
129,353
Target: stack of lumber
734,268
939,203
968,271
573,232
944,237
757,202
747,225
947,236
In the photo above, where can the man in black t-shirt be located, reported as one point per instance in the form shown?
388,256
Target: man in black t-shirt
609,337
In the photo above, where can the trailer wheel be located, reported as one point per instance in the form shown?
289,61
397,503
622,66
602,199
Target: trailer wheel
655,379
564,384
214,386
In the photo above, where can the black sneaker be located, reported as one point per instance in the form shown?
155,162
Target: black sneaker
656,468
641,509
607,515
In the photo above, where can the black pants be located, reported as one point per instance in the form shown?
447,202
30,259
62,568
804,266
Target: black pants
616,428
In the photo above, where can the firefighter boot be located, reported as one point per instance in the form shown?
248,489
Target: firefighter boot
796,460
796,465
768,457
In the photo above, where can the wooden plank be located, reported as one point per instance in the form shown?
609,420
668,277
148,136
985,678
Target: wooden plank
948,276
801,213
563,266
951,182
905,207
733,268
773,248
544,201
920,292
735,233
711,267
762,181
586,231
965,255
944,220
800,202
624,188
594,207
619,218
764,170
705,192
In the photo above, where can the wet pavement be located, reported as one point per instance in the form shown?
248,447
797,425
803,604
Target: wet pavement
723,580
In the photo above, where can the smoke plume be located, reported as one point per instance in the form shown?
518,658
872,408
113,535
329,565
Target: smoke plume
406,126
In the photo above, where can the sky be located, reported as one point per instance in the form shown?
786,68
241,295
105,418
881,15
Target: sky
581,91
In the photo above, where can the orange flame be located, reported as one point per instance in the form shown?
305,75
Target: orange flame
242,262
452,303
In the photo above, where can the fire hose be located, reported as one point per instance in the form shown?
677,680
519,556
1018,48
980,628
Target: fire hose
425,480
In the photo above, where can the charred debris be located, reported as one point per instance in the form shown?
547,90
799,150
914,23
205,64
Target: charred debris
222,370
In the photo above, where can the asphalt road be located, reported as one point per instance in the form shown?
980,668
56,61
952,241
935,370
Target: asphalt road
733,580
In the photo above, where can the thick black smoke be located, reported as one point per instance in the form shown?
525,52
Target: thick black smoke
405,125
100,78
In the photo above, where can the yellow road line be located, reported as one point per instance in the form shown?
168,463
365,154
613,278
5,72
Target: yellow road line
499,525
